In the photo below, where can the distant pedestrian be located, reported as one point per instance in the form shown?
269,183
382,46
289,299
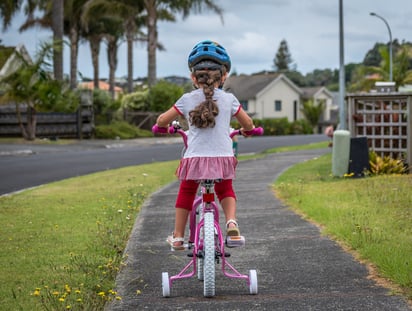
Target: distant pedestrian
329,132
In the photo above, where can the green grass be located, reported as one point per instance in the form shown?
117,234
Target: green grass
372,215
319,145
62,243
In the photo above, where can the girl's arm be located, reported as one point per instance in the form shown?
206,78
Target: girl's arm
245,121
167,117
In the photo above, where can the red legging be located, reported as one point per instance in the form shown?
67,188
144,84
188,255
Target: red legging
188,190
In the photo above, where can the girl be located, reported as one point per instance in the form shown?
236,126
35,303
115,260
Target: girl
209,154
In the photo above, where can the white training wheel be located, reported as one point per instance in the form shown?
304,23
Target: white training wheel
253,283
165,284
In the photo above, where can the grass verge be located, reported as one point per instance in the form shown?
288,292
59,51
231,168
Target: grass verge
62,243
372,216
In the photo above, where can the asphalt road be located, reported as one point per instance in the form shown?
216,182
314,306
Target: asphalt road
28,165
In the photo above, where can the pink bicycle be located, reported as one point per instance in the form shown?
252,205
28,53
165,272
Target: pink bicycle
206,238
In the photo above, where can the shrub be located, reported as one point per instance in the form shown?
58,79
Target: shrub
163,95
385,165
136,101
120,130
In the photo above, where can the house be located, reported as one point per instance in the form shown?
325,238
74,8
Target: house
321,94
104,86
11,59
274,95
266,95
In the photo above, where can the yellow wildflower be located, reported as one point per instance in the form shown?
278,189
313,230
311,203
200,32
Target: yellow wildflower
36,292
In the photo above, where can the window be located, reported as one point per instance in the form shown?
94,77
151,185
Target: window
245,104
278,105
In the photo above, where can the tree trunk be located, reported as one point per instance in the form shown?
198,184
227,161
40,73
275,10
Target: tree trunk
74,51
112,56
95,51
57,24
21,125
129,62
31,123
152,40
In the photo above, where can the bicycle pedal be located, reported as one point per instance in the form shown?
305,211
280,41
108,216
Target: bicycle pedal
235,241
185,248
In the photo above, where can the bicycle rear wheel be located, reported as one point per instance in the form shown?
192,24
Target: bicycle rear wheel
209,256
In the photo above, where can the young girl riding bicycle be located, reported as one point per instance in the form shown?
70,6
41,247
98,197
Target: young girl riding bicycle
209,154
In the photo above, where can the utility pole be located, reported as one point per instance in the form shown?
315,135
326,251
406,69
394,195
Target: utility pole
342,107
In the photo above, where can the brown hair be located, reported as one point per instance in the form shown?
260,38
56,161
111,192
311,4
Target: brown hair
204,114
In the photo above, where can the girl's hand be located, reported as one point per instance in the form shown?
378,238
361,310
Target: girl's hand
246,133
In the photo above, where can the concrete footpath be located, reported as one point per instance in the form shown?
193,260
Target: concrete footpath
297,267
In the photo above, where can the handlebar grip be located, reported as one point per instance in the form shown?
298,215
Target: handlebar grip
257,131
163,130
159,130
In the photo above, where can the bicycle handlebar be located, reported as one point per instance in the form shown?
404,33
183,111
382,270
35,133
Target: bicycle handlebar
257,131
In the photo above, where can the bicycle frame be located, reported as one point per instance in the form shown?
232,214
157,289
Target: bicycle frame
208,205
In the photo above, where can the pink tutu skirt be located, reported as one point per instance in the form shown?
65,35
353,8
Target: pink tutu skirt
207,168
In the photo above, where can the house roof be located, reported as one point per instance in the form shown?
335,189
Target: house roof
246,87
310,92
10,61
102,86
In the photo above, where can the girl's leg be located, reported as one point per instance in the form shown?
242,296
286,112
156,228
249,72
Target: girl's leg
229,209
184,202
227,197
180,222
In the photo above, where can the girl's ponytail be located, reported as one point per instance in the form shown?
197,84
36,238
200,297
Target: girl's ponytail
203,116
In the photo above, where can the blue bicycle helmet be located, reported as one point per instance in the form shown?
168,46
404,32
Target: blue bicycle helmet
208,51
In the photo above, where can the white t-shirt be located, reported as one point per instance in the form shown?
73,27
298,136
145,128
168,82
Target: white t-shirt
209,142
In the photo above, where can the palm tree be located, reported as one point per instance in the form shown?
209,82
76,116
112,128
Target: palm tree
53,19
312,111
94,33
130,12
8,8
364,77
112,36
166,10
57,26
73,29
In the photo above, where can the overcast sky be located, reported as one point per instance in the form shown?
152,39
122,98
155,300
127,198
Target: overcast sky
251,33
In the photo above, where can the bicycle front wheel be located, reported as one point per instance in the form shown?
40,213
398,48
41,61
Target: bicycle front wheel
209,256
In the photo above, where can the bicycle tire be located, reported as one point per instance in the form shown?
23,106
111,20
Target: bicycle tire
253,286
165,284
209,256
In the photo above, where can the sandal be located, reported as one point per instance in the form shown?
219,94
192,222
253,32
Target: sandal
233,231
177,244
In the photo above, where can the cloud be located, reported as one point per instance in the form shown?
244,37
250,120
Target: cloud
252,31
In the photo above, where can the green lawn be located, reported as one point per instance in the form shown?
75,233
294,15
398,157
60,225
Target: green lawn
62,243
372,215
